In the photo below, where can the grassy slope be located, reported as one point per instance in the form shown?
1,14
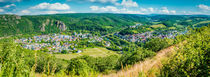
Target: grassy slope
202,22
95,52
158,26
146,68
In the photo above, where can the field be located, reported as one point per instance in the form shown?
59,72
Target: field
158,26
172,28
202,22
94,52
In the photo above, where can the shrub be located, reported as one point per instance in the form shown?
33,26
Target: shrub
157,44
78,67
192,59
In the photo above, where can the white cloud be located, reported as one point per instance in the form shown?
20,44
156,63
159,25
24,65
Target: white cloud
10,0
8,6
104,9
143,9
131,12
46,8
1,10
54,12
109,8
94,8
173,11
67,12
204,7
164,10
129,3
115,2
9,13
104,1
55,6
194,13
112,9
25,11
148,10
48,12
151,9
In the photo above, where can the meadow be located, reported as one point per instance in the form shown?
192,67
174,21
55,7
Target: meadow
94,52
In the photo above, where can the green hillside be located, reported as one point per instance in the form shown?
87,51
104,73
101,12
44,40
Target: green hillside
87,22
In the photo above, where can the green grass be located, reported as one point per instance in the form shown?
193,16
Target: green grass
134,31
202,22
156,22
149,29
108,27
94,52
172,28
158,26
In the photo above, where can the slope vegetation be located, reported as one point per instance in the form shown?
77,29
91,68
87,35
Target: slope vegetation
145,68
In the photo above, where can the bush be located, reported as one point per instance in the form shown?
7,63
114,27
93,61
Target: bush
192,59
78,67
64,51
100,64
133,57
14,61
157,44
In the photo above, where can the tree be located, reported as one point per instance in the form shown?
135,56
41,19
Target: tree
157,44
64,51
168,23
130,58
78,67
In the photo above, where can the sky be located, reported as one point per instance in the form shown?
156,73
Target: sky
171,7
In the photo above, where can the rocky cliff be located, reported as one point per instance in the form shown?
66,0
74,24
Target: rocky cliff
59,24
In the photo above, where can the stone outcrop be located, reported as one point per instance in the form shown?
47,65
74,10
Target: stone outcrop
51,23
47,22
43,27
61,25
18,17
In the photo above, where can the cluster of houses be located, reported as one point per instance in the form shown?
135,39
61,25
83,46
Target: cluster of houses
142,37
56,43
134,26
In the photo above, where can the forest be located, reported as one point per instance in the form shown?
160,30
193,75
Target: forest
102,23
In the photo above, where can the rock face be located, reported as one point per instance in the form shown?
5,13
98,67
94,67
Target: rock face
61,25
46,23
51,23
18,17
43,27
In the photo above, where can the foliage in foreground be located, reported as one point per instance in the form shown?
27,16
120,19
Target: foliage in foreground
18,62
192,59
157,44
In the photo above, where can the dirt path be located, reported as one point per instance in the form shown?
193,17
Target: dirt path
146,67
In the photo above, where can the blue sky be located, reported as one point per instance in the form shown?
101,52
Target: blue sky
173,7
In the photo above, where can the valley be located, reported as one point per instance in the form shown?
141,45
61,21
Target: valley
103,45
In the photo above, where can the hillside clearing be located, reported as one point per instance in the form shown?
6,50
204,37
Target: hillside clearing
202,22
158,26
94,52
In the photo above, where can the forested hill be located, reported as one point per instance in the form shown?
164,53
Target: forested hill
86,22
